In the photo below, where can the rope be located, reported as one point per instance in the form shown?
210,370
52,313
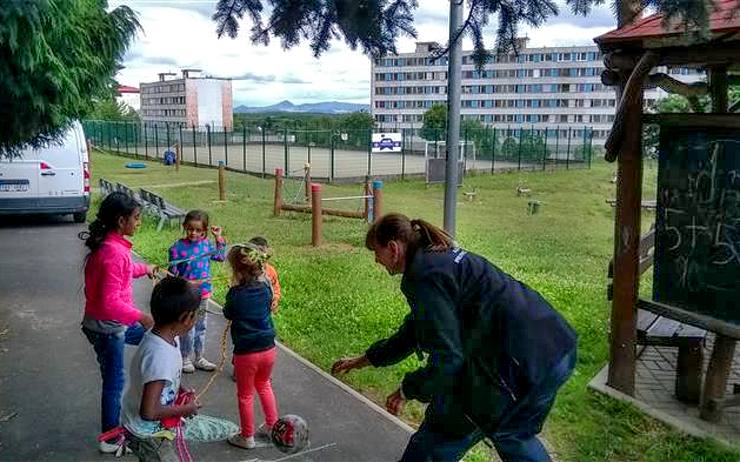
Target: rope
221,361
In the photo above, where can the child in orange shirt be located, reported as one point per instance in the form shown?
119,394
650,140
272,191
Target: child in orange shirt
270,271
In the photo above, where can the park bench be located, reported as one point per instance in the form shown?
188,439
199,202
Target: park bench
120,187
655,330
647,205
106,187
161,208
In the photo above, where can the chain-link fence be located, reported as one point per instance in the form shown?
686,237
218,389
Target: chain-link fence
342,154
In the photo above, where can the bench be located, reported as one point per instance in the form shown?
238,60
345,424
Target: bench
655,330
161,208
647,205
106,187
120,187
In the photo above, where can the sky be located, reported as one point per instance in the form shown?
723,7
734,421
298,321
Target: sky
180,34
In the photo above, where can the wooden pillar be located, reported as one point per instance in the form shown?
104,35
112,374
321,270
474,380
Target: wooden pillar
377,200
720,363
177,157
316,218
367,191
278,204
221,181
622,352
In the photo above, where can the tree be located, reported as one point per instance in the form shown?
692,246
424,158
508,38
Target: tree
435,121
110,109
374,25
359,120
56,57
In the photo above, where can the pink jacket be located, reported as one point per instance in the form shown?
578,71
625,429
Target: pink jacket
109,274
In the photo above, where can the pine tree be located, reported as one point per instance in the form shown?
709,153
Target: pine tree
56,58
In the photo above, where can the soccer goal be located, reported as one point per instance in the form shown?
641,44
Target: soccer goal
435,153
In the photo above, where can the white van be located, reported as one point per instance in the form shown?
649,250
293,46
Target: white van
54,179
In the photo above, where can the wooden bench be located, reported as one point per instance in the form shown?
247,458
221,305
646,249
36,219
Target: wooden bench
161,208
647,205
120,187
654,330
106,187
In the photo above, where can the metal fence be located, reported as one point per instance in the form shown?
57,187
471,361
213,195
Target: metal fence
342,154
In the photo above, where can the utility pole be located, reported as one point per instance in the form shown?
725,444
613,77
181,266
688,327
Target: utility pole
454,75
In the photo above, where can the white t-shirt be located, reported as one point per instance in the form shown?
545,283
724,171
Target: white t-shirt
154,360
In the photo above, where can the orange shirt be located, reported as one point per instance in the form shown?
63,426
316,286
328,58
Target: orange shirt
272,275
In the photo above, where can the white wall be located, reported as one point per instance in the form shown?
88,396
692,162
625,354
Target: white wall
209,102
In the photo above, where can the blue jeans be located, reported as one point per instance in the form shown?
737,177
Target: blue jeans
109,352
195,339
515,437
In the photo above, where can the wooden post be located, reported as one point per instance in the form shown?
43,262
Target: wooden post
307,179
316,218
221,181
622,354
377,200
177,157
720,363
278,205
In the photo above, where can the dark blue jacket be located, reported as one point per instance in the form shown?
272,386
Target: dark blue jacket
489,338
248,308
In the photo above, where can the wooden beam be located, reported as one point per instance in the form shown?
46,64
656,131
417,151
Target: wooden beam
632,92
625,290
725,54
324,211
694,120
671,85
691,318
718,86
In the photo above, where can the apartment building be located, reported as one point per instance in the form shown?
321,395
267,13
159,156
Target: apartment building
549,87
190,100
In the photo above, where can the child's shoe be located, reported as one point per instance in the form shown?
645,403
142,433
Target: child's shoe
241,441
110,448
204,364
187,366
264,432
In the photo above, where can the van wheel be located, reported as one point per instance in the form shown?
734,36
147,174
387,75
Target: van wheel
79,217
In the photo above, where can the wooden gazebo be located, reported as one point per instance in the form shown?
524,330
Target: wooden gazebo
697,236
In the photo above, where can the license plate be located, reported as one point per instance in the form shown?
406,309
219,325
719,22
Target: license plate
14,185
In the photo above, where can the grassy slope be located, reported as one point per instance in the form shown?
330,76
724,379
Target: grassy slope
337,301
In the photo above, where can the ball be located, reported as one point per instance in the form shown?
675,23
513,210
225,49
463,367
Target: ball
290,434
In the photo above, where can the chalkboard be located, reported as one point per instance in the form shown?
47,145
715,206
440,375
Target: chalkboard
697,240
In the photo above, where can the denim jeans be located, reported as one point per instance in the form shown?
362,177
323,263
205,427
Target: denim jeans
515,437
195,339
109,352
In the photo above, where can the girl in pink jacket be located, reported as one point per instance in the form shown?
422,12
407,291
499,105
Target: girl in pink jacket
111,318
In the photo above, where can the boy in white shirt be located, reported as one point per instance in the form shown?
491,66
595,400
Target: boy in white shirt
154,379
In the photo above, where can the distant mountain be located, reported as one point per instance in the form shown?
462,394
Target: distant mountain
327,107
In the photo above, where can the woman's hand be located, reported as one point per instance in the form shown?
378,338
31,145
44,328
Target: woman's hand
345,365
152,270
216,231
146,320
395,402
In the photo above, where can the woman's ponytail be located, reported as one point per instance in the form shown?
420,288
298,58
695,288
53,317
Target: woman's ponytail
416,234
114,206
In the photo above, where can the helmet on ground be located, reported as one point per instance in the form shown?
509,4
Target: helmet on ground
290,434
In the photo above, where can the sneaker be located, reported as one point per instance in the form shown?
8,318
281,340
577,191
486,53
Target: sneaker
241,441
187,366
110,448
204,364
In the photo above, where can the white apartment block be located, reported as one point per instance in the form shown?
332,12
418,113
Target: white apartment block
189,101
541,88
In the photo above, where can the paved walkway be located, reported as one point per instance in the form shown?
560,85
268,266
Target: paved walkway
50,386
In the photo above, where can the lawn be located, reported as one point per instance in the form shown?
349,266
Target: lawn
337,300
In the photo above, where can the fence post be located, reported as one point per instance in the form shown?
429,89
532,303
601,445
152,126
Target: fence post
521,131
308,143
278,202
177,156
316,219
285,149
567,154
377,199
125,135
493,152
208,140
264,154
307,179
195,148
403,152
146,143
167,129
156,140
244,147
590,147
544,151
226,147
221,181
367,189
331,157
557,143
369,151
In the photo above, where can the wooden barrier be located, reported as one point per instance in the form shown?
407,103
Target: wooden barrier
177,157
372,204
221,181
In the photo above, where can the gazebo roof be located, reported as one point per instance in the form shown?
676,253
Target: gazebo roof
647,33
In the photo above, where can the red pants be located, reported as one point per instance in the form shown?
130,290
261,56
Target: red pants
253,371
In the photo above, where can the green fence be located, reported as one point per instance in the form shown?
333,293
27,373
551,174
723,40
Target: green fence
343,154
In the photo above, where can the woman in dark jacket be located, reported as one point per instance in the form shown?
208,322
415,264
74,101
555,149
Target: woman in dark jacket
496,351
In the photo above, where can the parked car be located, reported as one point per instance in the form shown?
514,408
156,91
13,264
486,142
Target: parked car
54,179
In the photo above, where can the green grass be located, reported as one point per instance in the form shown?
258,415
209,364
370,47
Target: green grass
337,300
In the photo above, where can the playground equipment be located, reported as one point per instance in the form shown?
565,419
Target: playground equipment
372,198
